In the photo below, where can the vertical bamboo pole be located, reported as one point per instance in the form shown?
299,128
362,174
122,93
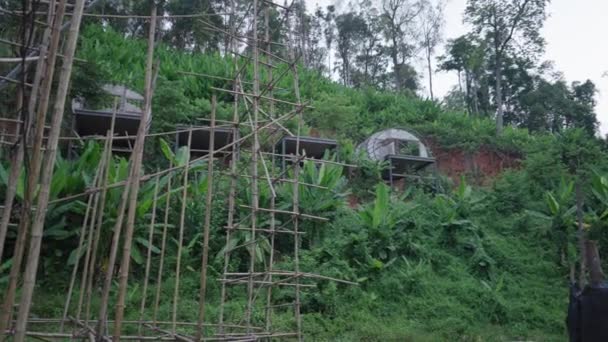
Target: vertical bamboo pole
99,222
83,232
296,190
254,169
107,283
44,67
163,243
207,227
102,181
268,308
136,169
231,196
29,279
182,222
18,155
148,255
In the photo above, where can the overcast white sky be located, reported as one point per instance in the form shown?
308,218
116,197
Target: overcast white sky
576,40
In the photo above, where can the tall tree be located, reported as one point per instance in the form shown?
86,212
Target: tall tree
196,34
466,55
329,32
352,29
398,20
504,23
370,62
430,29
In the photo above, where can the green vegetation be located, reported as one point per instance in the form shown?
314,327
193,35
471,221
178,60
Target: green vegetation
473,263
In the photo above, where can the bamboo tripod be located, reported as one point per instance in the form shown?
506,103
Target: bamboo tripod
96,302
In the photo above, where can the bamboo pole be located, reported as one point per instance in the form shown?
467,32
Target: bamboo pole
182,223
207,227
268,313
232,190
18,155
136,167
47,69
148,254
254,170
162,251
296,198
43,196
99,219
77,262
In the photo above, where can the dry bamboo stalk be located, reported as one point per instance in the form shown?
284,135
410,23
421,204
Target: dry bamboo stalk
254,168
19,249
262,282
137,157
77,263
207,225
177,337
189,324
162,251
29,279
261,97
231,196
286,212
99,221
107,284
182,222
273,230
296,199
102,169
18,155
149,254
277,231
10,80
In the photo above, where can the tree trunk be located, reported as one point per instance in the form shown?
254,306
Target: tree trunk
582,236
430,69
596,274
499,109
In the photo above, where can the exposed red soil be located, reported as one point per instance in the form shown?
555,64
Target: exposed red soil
480,166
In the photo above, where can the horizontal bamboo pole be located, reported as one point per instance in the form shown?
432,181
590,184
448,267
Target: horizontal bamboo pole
15,81
262,283
263,97
278,211
280,231
170,169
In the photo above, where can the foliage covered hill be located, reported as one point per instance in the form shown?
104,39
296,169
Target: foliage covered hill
469,264
339,111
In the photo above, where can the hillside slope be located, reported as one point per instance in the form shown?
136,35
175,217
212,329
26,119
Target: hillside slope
469,264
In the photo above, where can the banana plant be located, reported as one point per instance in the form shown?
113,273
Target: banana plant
560,212
383,228
321,193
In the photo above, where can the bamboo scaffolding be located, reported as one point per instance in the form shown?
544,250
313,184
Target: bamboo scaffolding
99,221
262,124
163,244
173,168
44,67
29,279
83,233
207,225
254,169
148,254
137,156
231,194
296,204
180,241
